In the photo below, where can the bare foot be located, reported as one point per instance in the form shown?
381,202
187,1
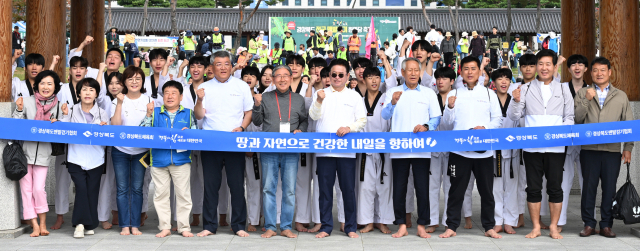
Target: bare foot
114,217
288,234
315,228
36,230
43,230
408,220
125,231
432,229
251,228
422,232
187,234
402,231
509,229
196,220
204,233
383,228
534,233
554,233
143,217
264,229
492,233
367,228
106,225
268,234
163,233
468,224
223,220
559,229
59,222
342,227
300,227
135,231
520,221
497,228
542,225
353,235
448,233
242,233
322,235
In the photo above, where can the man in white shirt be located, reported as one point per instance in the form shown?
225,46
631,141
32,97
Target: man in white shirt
224,103
477,109
341,110
417,111
432,35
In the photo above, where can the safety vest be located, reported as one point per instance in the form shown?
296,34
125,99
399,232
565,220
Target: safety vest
336,40
288,44
329,46
516,48
464,48
357,40
341,54
216,39
318,39
264,56
275,55
252,51
392,44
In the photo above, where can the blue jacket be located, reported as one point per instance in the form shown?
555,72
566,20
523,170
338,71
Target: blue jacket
165,157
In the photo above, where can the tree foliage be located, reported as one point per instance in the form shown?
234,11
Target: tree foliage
503,3
19,11
166,3
140,3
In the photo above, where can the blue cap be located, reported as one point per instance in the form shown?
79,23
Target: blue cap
189,33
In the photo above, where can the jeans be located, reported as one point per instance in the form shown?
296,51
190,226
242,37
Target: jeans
463,55
287,164
395,61
128,58
189,54
515,60
129,181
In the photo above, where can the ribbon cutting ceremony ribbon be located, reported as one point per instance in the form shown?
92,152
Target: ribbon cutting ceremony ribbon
387,142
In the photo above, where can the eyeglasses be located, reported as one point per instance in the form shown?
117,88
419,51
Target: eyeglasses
282,76
337,75
134,79
220,65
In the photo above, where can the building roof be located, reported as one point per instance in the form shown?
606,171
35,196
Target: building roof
205,19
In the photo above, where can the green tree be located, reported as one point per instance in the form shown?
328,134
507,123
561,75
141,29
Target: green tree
140,3
243,20
19,11
196,3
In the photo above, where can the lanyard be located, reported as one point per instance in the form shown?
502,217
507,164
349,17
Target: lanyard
278,102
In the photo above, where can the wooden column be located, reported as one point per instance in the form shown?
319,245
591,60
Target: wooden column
86,18
5,51
619,29
46,29
578,33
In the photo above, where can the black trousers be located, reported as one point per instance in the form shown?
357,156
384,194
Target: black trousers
353,56
448,59
346,171
494,58
549,165
85,207
234,162
460,169
596,166
401,168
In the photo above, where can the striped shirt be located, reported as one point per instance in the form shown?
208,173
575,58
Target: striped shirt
602,94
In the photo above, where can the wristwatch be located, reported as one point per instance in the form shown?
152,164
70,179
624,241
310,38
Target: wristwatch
242,128
427,126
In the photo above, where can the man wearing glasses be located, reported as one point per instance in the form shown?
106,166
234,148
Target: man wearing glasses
225,104
339,110
280,111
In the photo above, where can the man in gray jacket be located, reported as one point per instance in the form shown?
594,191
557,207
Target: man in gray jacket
287,116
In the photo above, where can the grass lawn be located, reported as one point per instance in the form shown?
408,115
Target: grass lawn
20,73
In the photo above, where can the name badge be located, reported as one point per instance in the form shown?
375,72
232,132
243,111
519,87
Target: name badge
285,127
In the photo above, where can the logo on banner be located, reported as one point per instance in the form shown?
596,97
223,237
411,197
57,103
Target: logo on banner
386,21
123,135
588,133
34,130
547,136
510,138
87,134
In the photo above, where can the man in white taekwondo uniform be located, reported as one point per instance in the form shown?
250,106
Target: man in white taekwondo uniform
471,107
373,170
416,112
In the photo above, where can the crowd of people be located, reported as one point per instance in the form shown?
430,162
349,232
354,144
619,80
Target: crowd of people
321,92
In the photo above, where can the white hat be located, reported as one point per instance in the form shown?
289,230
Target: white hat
265,43
261,32
464,34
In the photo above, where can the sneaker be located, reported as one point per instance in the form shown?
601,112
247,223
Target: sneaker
79,233
89,232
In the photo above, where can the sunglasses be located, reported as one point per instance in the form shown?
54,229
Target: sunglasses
340,75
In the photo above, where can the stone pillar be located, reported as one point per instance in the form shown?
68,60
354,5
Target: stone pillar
46,29
9,212
86,18
578,32
619,26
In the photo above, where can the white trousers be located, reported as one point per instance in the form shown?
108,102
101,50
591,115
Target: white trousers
253,189
145,190
224,195
571,166
505,195
522,183
304,196
63,183
437,179
197,183
108,191
375,200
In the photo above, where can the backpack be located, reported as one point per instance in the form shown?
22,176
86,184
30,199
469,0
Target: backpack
205,48
134,47
127,46
14,161
626,203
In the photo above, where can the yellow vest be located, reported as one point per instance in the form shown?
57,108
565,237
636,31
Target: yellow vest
216,39
264,54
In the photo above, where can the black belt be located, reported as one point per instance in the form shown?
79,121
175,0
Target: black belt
303,157
256,167
363,162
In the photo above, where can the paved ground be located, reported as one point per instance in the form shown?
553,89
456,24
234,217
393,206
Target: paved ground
467,239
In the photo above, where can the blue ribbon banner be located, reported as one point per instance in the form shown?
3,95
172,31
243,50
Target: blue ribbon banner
388,142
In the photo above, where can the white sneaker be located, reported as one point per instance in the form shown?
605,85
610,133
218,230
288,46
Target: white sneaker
89,232
79,233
